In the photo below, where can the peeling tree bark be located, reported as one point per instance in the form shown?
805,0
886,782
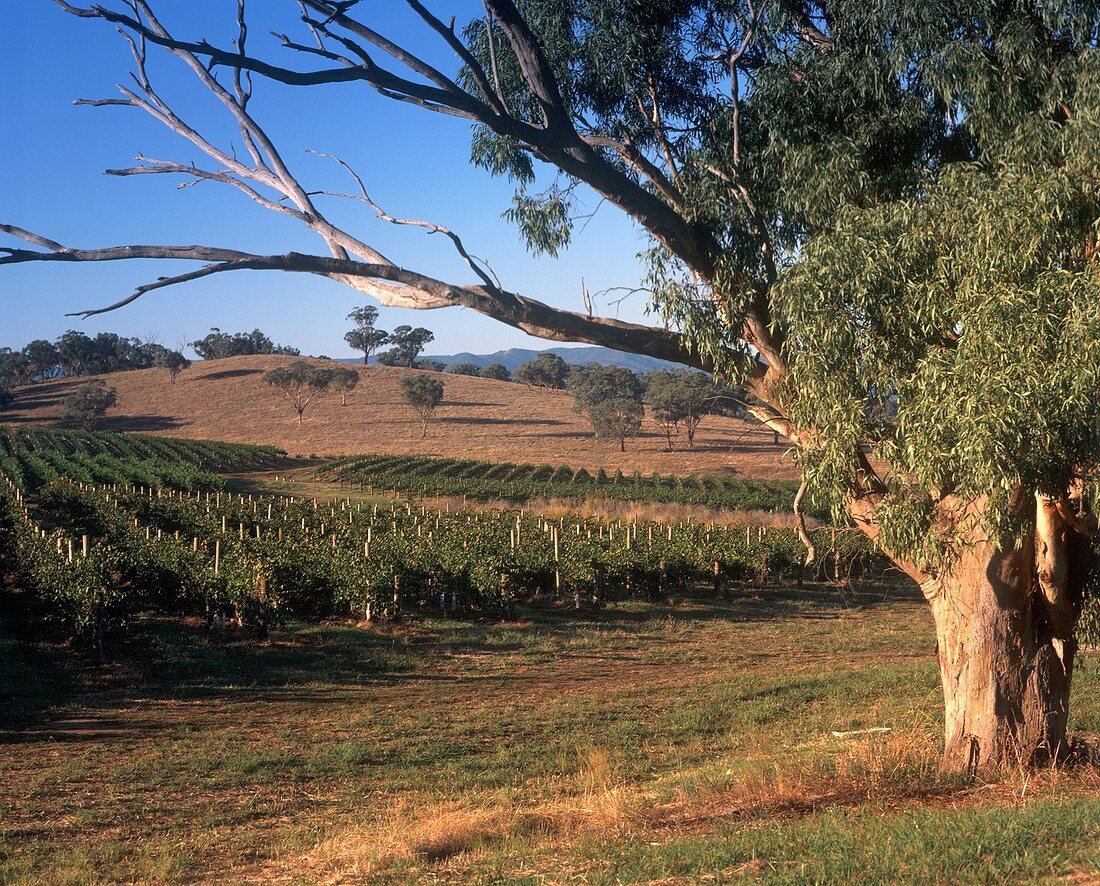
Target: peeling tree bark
1004,631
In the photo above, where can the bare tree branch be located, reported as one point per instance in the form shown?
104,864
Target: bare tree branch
390,284
431,227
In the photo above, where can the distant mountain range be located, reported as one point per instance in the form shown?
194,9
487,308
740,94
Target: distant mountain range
513,357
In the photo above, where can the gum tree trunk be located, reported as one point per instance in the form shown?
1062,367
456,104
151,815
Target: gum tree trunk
1004,630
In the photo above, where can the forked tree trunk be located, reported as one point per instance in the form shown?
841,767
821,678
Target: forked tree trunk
1005,649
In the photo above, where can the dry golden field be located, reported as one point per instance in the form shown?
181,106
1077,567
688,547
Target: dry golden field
482,419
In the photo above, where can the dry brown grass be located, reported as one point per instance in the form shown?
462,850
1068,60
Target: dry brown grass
593,802
483,419
896,769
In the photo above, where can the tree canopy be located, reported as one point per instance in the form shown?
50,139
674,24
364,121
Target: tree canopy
407,343
681,398
365,337
217,345
300,384
424,394
88,403
545,371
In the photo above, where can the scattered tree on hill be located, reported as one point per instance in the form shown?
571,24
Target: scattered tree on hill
13,367
300,384
545,371
680,398
88,403
77,354
42,359
464,369
407,344
496,371
6,397
429,365
424,394
344,380
217,345
616,419
174,362
595,383
847,202
365,337
605,395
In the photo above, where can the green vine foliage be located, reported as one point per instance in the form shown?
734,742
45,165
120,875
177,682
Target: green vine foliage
201,553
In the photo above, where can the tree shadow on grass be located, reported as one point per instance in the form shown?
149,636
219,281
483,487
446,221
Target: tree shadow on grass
740,604
179,658
140,423
475,420
36,677
228,373
167,659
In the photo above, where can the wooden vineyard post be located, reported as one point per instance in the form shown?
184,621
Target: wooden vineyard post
261,596
664,595
597,590
506,596
717,579
557,569
217,556
98,629
397,597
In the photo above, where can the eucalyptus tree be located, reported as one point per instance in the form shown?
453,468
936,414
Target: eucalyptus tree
344,380
407,344
86,404
365,337
424,394
879,218
681,398
496,372
300,383
544,371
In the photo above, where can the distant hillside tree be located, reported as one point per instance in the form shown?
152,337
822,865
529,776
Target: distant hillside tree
594,383
616,419
174,362
545,371
6,397
218,345
41,358
407,344
424,394
611,397
344,380
464,368
496,371
365,336
681,399
88,404
76,353
13,367
429,365
300,384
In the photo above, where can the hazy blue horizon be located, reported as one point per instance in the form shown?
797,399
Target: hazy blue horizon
414,162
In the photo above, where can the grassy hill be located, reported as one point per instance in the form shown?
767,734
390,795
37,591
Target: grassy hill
482,419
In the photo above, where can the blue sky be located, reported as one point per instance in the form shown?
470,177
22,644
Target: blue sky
414,163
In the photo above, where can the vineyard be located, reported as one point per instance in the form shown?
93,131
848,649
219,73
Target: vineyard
32,458
92,556
520,483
